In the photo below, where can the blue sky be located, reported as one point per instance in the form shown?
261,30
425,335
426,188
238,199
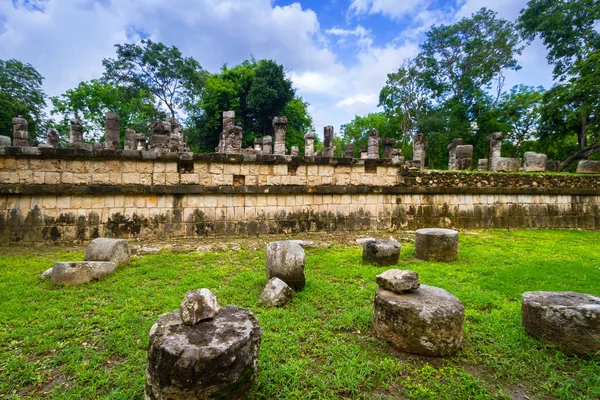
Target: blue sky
337,52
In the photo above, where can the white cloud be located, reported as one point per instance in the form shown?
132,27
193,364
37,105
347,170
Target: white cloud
394,9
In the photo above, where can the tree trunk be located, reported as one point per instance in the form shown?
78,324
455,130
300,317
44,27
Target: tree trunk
580,155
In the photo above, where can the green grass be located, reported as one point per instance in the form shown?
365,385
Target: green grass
90,341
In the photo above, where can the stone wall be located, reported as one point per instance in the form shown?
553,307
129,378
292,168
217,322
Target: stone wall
68,195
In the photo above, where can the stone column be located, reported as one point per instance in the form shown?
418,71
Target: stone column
130,140
328,141
364,152
397,157
20,132
76,134
112,132
232,134
419,146
495,140
177,144
295,150
452,153
464,157
349,153
279,127
258,145
267,144
309,144
482,164
388,144
373,148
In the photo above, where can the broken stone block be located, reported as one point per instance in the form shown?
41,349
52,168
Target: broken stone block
276,293
47,274
258,145
552,166
419,146
413,164
267,144
397,157
534,162
285,260
436,244
216,358
482,164
76,136
5,141
198,305
464,157
568,320
495,140
309,144
381,252
294,151
130,140
388,144
588,167
426,321
105,249
398,280
51,140
505,164
364,152
160,137
452,153
78,272
328,141
349,151
279,127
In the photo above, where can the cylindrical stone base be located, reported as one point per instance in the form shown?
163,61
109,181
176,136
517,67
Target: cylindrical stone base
566,319
426,321
215,358
436,244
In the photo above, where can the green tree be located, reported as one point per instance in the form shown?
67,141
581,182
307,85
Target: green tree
90,101
175,80
299,122
21,94
569,32
357,131
461,62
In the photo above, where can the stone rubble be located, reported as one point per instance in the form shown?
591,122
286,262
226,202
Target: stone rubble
285,260
276,293
198,305
398,281
79,272
381,252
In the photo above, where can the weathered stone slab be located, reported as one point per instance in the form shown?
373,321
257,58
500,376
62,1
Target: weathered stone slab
198,305
78,272
427,321
505,164
482,164
381,252
5,141
285,260
47,274
436,244
588,167
569,320
216,358
276,293
105,249
534,162
398,280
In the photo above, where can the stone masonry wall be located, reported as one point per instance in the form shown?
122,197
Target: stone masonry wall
66,195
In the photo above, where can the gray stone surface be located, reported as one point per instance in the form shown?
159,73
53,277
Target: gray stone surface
78,272
482,164
276,293
388,147
76,134
381,252
436,244
294,151
373,145
285,260
328,140
427,321
397,157
348,151
534,162
105,249
5,141
309,144
47,274
20,132
464,157
552,165
568,320
452,153
495,140
588,167
398,280
198,305
112,132
419,147
214,359
279,127
231,137
267,144
505,164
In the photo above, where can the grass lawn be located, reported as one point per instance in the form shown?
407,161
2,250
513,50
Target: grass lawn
90,341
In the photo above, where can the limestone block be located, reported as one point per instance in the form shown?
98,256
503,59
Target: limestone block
5,141
436,244
79,272
216,358
568,320
588,167
381,252
116,251
534,162
285,260
505,164
198,305
398,280
276,293
426,321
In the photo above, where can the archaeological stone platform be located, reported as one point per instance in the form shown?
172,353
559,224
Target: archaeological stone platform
65,195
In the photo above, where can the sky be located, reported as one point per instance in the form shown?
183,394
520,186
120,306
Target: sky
337,52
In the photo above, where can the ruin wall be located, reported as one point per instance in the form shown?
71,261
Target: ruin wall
67,195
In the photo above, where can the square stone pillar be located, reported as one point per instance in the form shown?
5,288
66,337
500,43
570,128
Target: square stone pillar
452,153
495,140
309,144
349,152
112,132
20,132
373,147
130,140
464,157
419,146
328,141
279,127
388,146
268,144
